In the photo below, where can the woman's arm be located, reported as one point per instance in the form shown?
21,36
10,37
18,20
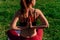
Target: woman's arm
44,22
14,22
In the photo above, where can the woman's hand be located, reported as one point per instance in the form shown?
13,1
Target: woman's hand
29,23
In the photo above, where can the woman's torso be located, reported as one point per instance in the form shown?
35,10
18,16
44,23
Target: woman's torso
28,32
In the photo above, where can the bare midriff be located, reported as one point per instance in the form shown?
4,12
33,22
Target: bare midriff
28,33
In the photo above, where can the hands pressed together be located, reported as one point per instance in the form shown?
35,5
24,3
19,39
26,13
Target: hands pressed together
29,23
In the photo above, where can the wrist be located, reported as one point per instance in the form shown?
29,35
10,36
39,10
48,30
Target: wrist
33,27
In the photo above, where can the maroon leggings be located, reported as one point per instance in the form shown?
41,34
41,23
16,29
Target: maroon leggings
13,35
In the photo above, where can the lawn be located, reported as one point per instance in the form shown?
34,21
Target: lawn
50,8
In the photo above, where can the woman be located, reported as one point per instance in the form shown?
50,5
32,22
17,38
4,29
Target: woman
27,30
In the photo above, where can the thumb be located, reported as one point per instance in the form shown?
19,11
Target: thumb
30,19
30,22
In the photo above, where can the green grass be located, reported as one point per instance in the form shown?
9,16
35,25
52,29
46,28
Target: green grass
50,8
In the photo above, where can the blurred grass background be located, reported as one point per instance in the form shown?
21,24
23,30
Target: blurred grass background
50,8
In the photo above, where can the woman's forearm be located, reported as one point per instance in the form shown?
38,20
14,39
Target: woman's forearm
15,28
18,28
40,26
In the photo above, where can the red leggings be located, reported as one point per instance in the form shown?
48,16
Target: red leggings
13,35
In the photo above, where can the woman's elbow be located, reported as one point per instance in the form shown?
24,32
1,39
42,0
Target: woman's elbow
12,26
47,25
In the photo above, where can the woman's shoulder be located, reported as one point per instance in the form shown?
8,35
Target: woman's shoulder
38,11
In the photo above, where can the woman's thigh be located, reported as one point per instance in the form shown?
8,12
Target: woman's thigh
40,33
13,34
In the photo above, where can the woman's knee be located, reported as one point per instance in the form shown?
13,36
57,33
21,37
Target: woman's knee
12,35
12,32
